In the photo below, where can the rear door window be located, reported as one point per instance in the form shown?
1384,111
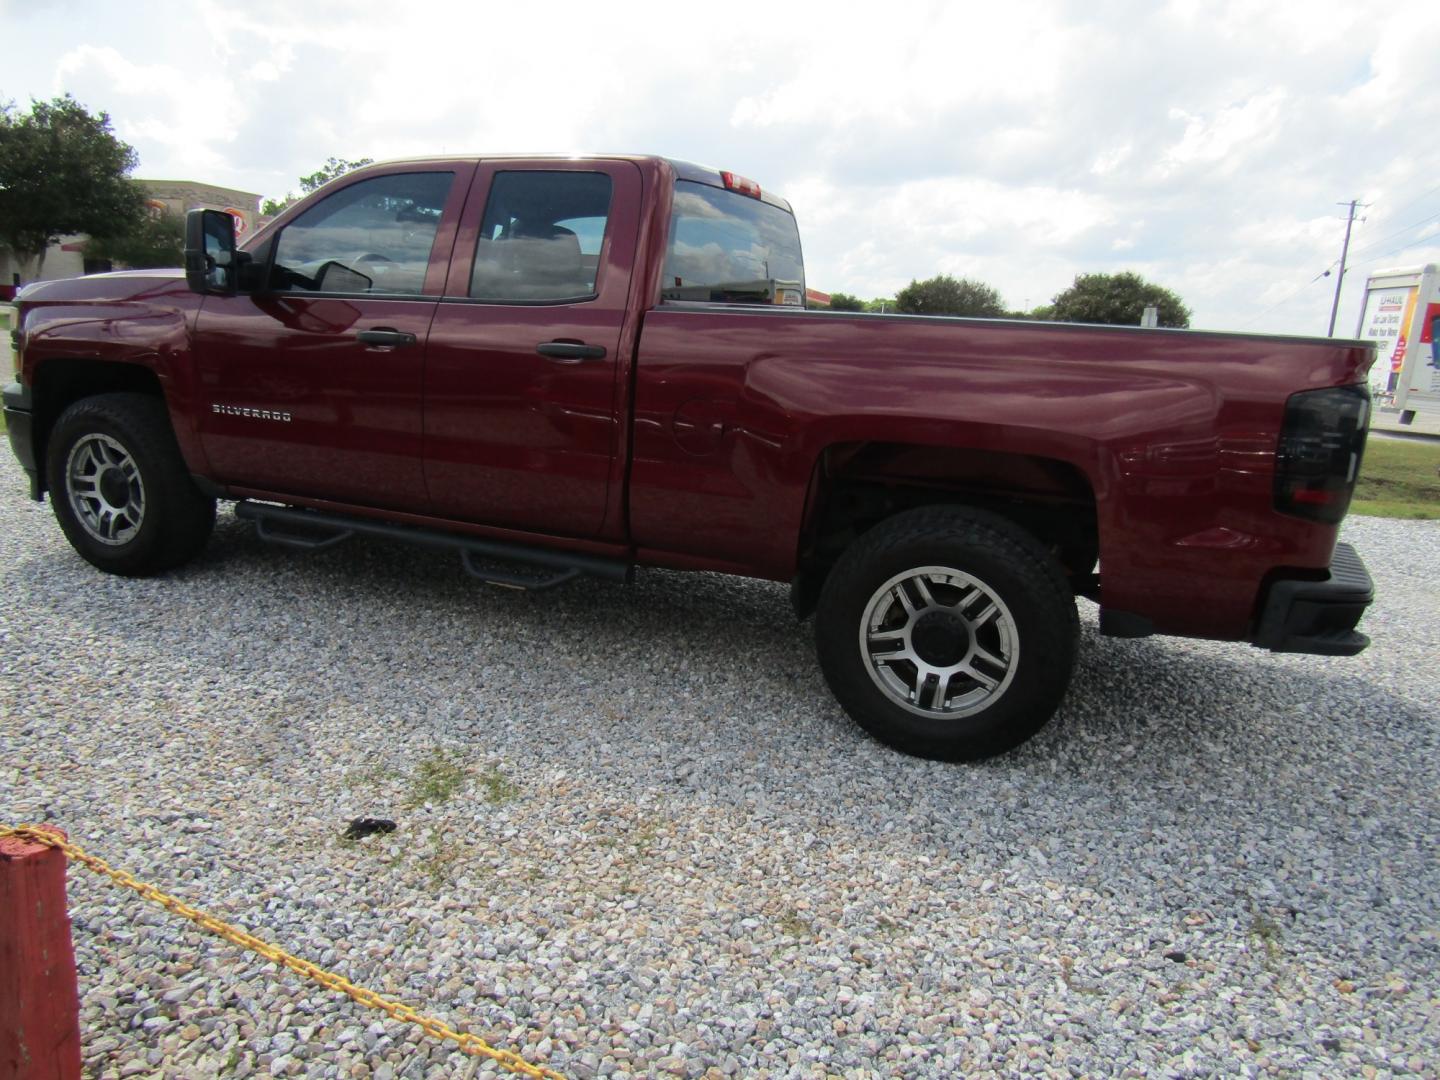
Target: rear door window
541,237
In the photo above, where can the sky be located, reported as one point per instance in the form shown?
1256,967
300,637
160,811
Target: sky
1212,147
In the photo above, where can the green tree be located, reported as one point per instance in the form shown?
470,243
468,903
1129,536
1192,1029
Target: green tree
332,168
1117,299
946,295
845,302
62,171
882,305
155,240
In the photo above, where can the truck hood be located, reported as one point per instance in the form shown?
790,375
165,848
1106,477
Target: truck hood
119,286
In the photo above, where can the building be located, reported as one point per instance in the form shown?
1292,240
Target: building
66,257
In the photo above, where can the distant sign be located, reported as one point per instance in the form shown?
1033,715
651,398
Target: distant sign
239,216
1383,324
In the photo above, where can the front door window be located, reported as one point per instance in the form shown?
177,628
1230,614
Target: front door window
371,238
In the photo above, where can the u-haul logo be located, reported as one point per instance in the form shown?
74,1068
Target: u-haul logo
253,414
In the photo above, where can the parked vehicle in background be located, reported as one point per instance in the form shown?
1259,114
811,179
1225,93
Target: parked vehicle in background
1399,317
583,365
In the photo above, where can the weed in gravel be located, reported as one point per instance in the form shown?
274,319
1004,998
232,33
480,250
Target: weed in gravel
440,862
795,926
435,780
1067,975
1266,932
370,776
884,924
498,787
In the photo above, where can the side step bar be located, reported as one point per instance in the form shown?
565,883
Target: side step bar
312,530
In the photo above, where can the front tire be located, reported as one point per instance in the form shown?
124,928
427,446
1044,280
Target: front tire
947,633
120,489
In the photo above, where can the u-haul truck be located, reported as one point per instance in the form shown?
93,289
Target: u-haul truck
1399,315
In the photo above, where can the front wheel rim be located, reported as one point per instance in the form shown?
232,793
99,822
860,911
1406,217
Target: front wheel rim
939,642
105,490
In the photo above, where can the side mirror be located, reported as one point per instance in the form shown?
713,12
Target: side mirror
210,261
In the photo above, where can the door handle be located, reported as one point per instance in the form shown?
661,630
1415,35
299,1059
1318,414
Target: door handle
571,352
383,335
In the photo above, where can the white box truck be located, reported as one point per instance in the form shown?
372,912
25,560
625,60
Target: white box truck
1399,315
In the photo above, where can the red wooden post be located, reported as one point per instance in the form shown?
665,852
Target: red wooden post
39,1001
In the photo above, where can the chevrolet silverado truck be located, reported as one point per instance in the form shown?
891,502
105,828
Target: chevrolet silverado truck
565,366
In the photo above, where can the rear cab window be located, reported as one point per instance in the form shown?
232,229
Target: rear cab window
730,248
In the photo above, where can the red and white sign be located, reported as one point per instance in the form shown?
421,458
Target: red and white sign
239,216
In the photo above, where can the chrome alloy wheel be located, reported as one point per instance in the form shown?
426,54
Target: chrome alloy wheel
940,643
104,487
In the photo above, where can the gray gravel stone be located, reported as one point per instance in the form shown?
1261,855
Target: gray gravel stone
637,837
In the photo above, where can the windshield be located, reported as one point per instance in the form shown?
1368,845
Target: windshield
730,248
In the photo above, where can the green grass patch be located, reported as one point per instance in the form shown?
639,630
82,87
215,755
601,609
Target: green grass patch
436,779
498,787
371,776
440,777
443,860
1399,478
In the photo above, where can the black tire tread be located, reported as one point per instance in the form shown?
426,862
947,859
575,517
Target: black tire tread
1055,637
179,517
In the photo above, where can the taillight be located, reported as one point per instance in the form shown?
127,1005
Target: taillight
1321,444
741,184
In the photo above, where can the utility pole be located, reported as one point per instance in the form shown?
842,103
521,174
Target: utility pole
1340,277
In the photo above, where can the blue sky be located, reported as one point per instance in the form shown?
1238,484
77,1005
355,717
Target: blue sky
1204,145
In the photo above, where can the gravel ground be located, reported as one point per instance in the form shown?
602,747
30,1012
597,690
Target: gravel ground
636,836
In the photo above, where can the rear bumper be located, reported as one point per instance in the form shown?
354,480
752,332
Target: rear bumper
1318,616
20,425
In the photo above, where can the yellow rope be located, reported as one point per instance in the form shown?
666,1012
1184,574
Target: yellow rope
470,1044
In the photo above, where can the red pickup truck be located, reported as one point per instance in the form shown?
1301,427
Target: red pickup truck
562,366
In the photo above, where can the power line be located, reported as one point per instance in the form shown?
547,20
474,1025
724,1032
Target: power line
1418,198
1397,233
1279,304
1358,253
1413,243
1350,221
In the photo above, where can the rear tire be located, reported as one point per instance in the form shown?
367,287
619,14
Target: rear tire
947,633
120,489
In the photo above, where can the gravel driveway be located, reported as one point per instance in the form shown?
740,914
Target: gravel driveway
637,836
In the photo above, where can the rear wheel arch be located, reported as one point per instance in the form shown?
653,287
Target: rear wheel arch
856,486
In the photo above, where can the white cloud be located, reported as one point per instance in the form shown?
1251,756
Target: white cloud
1228,136
154,103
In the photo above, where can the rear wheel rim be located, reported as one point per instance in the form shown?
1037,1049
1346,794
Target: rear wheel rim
105,490
939,643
